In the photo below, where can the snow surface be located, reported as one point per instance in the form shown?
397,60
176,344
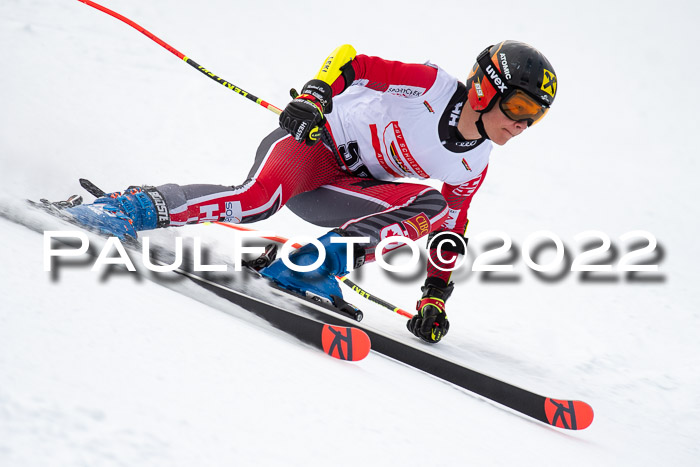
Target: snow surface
114,369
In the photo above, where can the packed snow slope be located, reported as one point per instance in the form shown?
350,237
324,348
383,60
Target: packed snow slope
111,369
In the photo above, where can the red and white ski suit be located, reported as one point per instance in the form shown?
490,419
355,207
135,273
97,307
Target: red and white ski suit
394,121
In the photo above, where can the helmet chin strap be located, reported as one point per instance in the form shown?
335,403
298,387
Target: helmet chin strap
480,127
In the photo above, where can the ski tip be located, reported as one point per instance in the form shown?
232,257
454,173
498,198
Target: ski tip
345,343
570,415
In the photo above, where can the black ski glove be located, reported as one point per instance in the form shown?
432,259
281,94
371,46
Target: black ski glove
304,116
430,323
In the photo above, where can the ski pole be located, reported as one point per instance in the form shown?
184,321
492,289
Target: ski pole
355,288
186,59
373,298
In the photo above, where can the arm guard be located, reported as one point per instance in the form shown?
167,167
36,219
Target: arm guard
333,66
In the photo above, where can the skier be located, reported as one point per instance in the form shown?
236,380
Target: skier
359,126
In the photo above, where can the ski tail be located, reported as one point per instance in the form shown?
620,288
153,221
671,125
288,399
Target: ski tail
345,343
570,415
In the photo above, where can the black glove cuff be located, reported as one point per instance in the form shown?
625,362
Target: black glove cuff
437,288
321,91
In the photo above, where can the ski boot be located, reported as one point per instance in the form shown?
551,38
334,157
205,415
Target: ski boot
121,214
319,284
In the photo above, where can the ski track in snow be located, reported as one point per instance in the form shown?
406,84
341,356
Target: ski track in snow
115,369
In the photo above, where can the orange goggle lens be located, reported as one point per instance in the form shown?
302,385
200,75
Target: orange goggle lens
518,106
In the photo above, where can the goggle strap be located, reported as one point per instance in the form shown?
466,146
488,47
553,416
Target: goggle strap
484,60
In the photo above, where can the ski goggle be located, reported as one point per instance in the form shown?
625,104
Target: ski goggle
520,106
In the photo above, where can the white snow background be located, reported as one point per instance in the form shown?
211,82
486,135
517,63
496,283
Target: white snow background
123,371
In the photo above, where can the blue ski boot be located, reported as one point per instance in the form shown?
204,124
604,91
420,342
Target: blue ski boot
123,214
321,282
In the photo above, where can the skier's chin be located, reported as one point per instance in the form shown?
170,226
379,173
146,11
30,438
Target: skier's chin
502,138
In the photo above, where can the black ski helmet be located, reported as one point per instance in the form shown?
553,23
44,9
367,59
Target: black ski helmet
517,66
